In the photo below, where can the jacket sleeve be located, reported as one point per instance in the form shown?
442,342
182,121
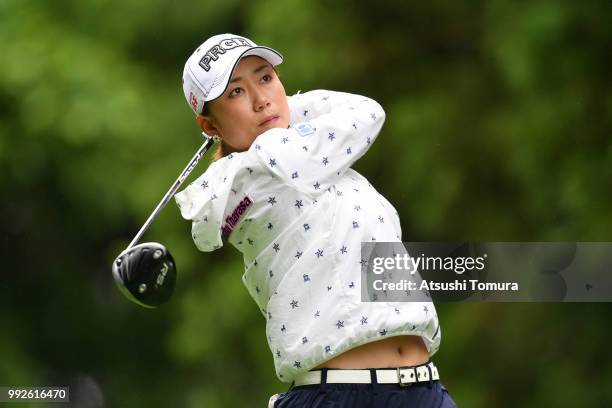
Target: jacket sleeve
203,202
329,132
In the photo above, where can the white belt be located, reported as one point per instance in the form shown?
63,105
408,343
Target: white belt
403,376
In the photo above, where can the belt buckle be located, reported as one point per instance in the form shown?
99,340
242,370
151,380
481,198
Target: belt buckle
400,376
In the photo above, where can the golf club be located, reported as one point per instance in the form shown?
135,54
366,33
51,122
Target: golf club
146,273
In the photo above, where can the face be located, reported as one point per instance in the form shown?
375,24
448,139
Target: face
253,102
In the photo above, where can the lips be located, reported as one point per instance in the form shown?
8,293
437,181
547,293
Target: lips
269,119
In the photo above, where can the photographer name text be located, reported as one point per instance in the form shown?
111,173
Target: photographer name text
457,285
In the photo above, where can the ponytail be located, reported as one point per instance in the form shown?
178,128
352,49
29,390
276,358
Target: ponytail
222,150
219,153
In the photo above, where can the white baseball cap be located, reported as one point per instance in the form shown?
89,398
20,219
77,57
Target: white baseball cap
209,69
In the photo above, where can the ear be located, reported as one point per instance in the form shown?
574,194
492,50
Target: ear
206,124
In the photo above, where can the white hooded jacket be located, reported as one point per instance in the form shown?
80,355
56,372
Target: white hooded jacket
298,213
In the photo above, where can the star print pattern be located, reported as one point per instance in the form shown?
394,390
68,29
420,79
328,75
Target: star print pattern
301,235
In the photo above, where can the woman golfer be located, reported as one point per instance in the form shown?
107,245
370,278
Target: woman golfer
282,191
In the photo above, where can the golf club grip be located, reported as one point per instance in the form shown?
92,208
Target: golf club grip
185,173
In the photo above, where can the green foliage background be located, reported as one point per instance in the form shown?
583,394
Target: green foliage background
499,117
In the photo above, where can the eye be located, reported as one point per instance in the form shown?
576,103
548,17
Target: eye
266,78
236,91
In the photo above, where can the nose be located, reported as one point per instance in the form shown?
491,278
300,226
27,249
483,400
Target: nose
260,100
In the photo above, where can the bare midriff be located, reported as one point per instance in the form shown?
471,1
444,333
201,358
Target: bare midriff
397,351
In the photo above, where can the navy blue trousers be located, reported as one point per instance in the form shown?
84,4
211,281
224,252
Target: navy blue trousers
422,395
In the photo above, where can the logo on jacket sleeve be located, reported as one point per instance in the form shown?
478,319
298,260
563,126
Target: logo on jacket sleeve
304,129
232,220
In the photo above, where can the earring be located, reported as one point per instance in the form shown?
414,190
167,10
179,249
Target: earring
216,139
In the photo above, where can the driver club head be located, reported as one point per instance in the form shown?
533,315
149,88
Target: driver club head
146,274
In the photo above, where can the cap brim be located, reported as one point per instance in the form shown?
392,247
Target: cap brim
270,55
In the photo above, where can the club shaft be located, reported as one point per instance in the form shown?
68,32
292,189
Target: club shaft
194,161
